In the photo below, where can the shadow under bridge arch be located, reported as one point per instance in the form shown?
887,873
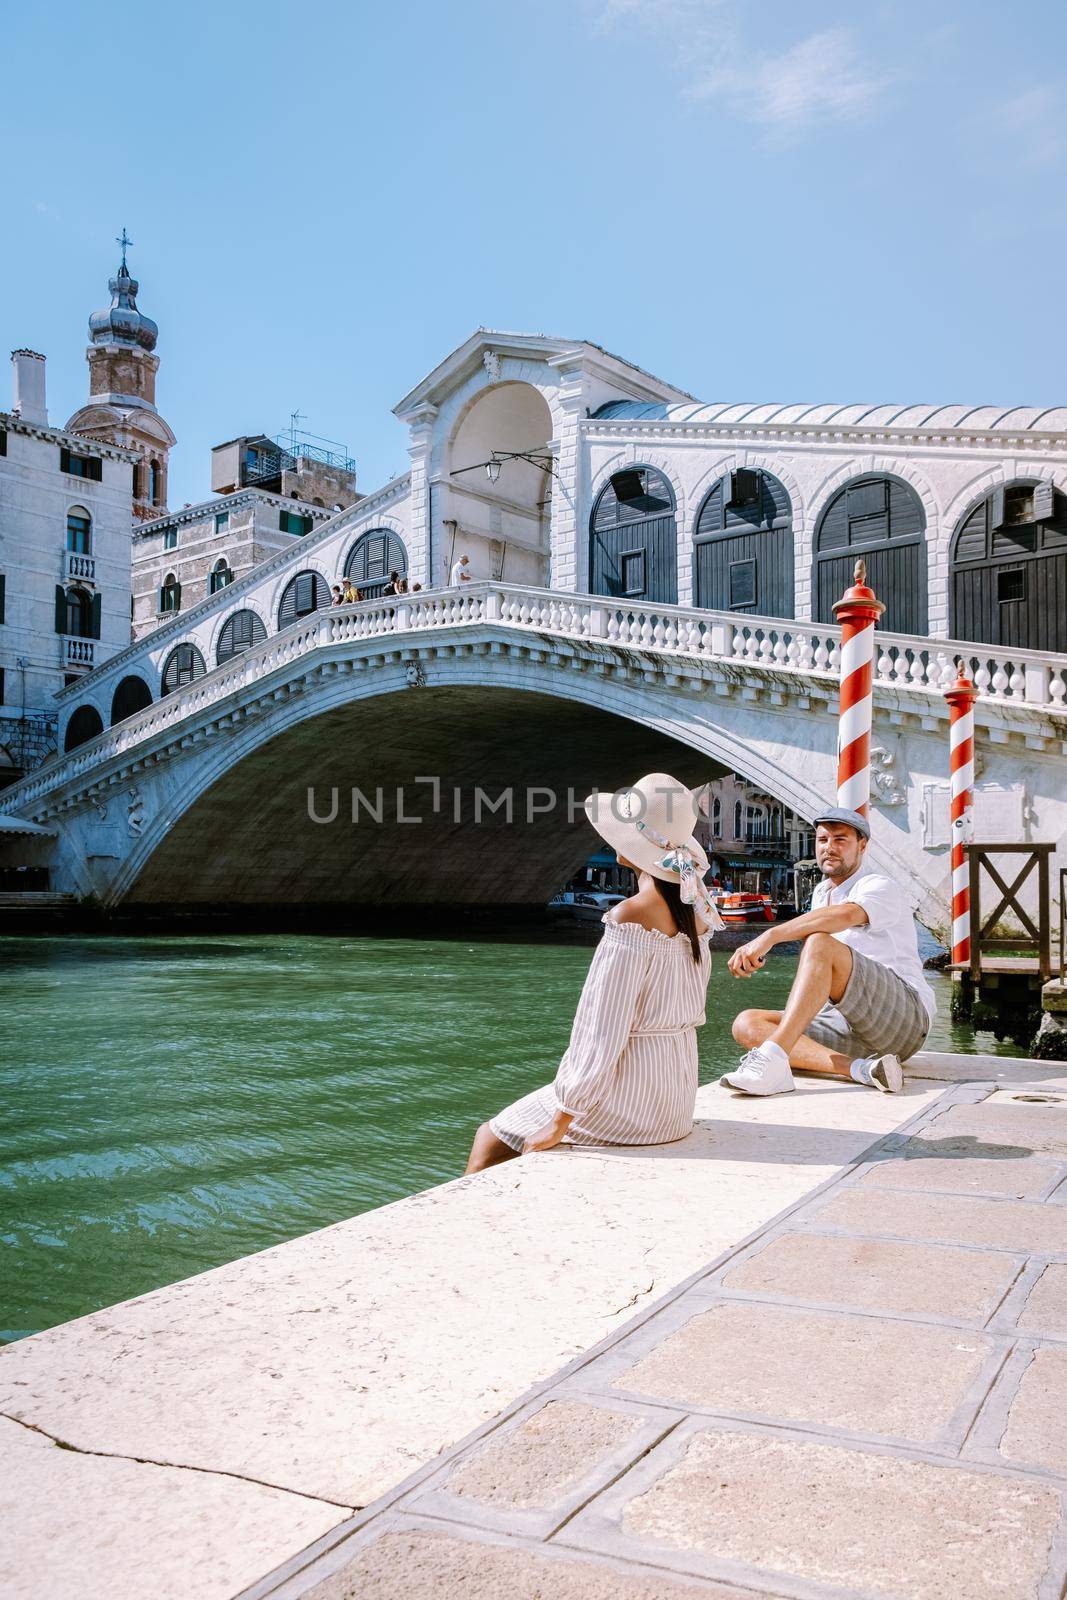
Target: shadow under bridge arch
250,839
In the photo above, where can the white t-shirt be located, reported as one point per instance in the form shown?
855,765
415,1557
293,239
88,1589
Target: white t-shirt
888,935
460,573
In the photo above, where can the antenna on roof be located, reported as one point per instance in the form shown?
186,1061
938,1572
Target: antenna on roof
294,418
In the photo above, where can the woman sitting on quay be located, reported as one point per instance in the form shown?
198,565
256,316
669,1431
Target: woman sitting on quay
629,1074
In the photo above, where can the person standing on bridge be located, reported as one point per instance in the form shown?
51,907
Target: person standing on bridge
859,1004
461,572
629,1074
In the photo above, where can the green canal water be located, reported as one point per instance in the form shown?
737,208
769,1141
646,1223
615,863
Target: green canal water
171,1103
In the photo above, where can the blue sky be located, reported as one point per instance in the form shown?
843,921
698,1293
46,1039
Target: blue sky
754,200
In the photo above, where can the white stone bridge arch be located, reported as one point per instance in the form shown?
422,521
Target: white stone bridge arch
202,797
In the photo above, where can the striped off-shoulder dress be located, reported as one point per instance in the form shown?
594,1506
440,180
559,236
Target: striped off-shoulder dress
629,1074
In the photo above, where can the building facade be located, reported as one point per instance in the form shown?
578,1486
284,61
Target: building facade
65,510
752,839
188,556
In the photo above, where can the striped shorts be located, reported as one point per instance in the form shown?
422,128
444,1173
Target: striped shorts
877,1014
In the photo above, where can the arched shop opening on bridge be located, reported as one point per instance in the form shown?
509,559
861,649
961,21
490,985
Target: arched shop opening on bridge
372,558
1009,569
743,545
183,665
302,595
131,695
633,538
494,499
239,633
880,519
85,723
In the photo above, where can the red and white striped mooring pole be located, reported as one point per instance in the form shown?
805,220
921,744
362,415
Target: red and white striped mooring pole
857,611
961,698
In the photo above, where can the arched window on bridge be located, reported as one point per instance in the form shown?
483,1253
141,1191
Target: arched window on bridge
85,723
132,695
743,545
1009,569
184,665
372,558
882,520
220,575
633,538
239,633
79,531
302,595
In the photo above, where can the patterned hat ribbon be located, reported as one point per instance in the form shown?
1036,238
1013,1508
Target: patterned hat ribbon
680,859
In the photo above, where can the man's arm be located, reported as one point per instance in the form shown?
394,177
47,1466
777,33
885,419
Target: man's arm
749,958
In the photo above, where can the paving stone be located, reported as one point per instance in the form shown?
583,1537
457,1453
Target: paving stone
547,1455
1037,1422
913,1168
1045,1310
875,1523
871,1375
1001,1127
1021,1225
402,1565
879,1275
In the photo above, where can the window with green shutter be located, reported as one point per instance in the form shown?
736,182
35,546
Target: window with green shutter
293,522
81,466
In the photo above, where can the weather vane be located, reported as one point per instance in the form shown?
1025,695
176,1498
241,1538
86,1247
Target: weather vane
124,242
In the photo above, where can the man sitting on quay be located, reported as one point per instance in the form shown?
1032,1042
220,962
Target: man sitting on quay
859,1004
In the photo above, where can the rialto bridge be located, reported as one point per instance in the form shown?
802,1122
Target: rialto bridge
203,797
652,584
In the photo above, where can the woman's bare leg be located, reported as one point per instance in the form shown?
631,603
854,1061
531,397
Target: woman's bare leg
487,1151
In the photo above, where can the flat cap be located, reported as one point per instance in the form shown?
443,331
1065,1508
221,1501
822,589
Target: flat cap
851,819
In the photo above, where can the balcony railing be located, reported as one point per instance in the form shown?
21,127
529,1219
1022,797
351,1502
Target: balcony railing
78,652
81,569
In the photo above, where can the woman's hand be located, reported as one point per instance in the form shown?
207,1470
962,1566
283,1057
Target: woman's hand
549,1136
749,958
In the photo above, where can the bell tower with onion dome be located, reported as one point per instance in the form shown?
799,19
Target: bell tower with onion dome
121,408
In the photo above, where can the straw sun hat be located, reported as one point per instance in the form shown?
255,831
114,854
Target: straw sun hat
651,824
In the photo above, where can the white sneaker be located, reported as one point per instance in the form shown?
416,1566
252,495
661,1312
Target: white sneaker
762,1071
887,1074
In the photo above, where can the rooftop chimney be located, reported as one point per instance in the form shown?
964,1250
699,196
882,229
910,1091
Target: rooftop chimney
29,386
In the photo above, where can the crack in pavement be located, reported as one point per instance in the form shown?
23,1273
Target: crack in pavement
634,1299
177,1466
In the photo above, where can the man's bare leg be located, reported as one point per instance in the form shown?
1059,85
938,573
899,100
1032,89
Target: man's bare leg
754,1028
487,1151
822,976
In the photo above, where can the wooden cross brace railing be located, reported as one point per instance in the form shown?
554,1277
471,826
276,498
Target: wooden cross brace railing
1037,935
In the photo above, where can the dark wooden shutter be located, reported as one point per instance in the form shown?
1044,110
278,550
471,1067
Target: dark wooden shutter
64,459
94,617
1043,502
744,487
61,609
3,593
